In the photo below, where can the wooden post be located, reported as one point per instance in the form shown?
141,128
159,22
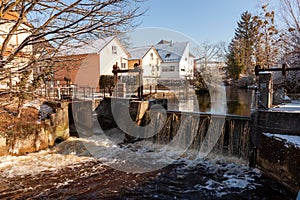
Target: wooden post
141,83
115,68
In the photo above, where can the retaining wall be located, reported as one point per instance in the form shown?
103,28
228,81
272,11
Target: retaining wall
275,157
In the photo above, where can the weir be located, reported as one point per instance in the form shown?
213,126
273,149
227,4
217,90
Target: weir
222,134
250,139
229,135
204,132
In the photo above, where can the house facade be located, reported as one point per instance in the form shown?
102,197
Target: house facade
9,44
84,63
212,67
149,59
162,64
177,62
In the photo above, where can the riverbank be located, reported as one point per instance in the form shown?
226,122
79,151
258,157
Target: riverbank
21,134
28,133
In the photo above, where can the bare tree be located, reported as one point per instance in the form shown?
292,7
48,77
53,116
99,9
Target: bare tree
209,61
290,12
266,43
207,52
33,31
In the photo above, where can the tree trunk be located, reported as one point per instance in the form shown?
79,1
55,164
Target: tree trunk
20,106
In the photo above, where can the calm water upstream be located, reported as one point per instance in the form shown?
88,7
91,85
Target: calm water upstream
225,100
69,171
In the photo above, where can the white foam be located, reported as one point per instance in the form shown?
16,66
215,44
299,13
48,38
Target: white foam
46,160
236,183
73,153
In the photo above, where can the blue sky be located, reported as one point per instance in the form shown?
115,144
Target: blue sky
201,20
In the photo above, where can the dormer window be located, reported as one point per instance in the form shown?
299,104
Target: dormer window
168,55
114,49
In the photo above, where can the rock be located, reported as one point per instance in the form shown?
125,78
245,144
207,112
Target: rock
34,141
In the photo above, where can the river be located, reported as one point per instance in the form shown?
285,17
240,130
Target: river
68,171
223,100
99,167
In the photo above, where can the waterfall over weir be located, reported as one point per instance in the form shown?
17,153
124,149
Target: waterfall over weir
205,133
221,134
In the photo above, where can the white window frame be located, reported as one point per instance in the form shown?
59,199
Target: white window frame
114,49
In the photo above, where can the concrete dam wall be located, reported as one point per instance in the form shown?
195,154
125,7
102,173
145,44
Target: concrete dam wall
222,134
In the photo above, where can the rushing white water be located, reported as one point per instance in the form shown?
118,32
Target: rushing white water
74,151
70,170
65,154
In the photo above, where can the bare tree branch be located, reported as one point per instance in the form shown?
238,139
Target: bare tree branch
61,21
32,32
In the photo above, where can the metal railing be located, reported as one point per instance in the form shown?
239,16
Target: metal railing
62,92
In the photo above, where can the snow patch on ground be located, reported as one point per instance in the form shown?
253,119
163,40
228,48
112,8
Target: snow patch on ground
33,104
294,106
288,139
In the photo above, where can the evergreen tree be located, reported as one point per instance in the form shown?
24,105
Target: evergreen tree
234,61
240,50
245,34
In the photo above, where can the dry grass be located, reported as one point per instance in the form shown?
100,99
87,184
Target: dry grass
9,123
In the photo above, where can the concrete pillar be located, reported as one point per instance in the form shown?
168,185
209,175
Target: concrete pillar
266,90
121,89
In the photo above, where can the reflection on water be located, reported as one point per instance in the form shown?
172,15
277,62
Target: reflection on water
239,101
224,100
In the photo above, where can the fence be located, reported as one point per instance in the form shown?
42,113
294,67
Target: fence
70,92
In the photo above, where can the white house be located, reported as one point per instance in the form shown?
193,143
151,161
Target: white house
177,62
150,60
17,37
212,67
85,62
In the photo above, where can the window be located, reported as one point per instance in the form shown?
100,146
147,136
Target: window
183,70
151,56
114,49
168,69
123,65
168,55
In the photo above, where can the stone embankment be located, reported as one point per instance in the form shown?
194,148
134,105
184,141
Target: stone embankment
51,125
277,156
